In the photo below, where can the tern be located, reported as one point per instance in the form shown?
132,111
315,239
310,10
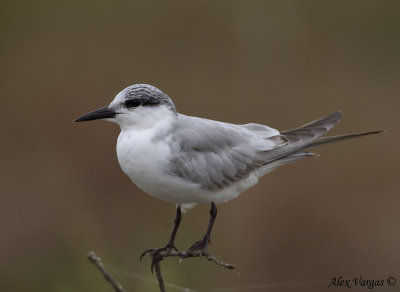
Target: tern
189,160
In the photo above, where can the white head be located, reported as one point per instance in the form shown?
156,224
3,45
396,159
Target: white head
137,106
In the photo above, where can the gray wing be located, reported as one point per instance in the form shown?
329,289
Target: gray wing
215,155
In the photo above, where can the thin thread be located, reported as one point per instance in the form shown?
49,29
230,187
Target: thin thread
262,286
272,285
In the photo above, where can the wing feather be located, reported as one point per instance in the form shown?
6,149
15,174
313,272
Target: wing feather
215,155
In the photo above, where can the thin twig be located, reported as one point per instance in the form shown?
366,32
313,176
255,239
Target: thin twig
159,277
182,254
99,264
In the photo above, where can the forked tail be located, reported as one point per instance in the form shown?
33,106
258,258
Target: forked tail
310,135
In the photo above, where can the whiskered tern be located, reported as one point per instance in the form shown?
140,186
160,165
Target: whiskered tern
188,160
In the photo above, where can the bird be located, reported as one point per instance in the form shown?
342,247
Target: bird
189,160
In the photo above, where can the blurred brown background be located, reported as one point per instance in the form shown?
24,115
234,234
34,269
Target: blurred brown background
280,63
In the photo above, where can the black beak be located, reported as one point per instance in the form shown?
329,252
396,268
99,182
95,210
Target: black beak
102,113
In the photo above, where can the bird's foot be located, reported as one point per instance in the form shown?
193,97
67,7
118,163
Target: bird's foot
157,254
200,246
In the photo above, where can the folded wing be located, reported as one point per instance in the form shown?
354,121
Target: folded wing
216,155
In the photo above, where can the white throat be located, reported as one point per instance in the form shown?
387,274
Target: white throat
146,118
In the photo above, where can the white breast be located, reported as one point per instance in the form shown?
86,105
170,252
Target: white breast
141,158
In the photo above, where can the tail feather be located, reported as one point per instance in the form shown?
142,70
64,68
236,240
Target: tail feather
308,136
303,136
325,140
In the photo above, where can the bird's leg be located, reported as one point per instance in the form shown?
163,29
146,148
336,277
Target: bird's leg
203,244
177,222
155,252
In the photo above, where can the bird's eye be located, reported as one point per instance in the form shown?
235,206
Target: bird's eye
132,103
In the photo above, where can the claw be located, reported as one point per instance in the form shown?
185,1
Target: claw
200,245
155,253
150,250
155,258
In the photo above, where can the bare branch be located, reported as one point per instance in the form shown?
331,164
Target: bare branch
99,264
159,277
157,256
182,254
